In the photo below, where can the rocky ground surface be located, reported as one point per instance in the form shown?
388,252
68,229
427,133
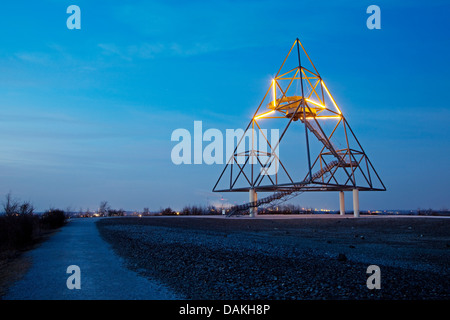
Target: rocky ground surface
313,258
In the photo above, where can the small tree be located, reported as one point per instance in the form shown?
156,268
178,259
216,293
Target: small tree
14,207
53,218
103,208
10,206
26,208
167,211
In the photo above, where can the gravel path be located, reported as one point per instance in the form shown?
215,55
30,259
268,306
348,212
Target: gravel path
103,274
214,258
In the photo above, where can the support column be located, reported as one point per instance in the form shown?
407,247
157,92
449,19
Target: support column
341,203
356,203
253,197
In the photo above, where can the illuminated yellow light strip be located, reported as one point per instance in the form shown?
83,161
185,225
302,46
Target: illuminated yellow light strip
274,90
263,114
323,117
334,102
326,117
316,103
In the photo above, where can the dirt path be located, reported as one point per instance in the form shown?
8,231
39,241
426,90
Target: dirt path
102,273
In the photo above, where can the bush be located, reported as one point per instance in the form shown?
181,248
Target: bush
116,213
53,218
18,225
167,212
198,210
18,230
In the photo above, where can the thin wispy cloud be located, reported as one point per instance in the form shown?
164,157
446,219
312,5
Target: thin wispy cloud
132,51
34,57
191,28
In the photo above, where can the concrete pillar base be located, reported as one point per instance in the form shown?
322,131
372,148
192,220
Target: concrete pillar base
341,203
356,203
253,197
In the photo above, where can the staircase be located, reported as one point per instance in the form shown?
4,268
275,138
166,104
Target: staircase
283,195
323,139
297,188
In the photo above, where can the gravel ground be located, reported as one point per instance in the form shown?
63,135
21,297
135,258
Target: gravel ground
302,258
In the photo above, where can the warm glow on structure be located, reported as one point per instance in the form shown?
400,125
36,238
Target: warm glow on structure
334,102
288,99
316,103
324,117
274,90
263,114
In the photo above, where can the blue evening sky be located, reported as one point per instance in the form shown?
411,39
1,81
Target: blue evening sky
87,115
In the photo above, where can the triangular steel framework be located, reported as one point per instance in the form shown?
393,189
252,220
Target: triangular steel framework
298,93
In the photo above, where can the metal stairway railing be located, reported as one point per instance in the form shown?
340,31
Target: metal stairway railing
324,140
297,189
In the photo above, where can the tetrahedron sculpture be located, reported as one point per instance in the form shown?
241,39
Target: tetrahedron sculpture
315,149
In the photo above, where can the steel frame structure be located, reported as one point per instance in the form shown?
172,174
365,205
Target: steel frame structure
311,104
